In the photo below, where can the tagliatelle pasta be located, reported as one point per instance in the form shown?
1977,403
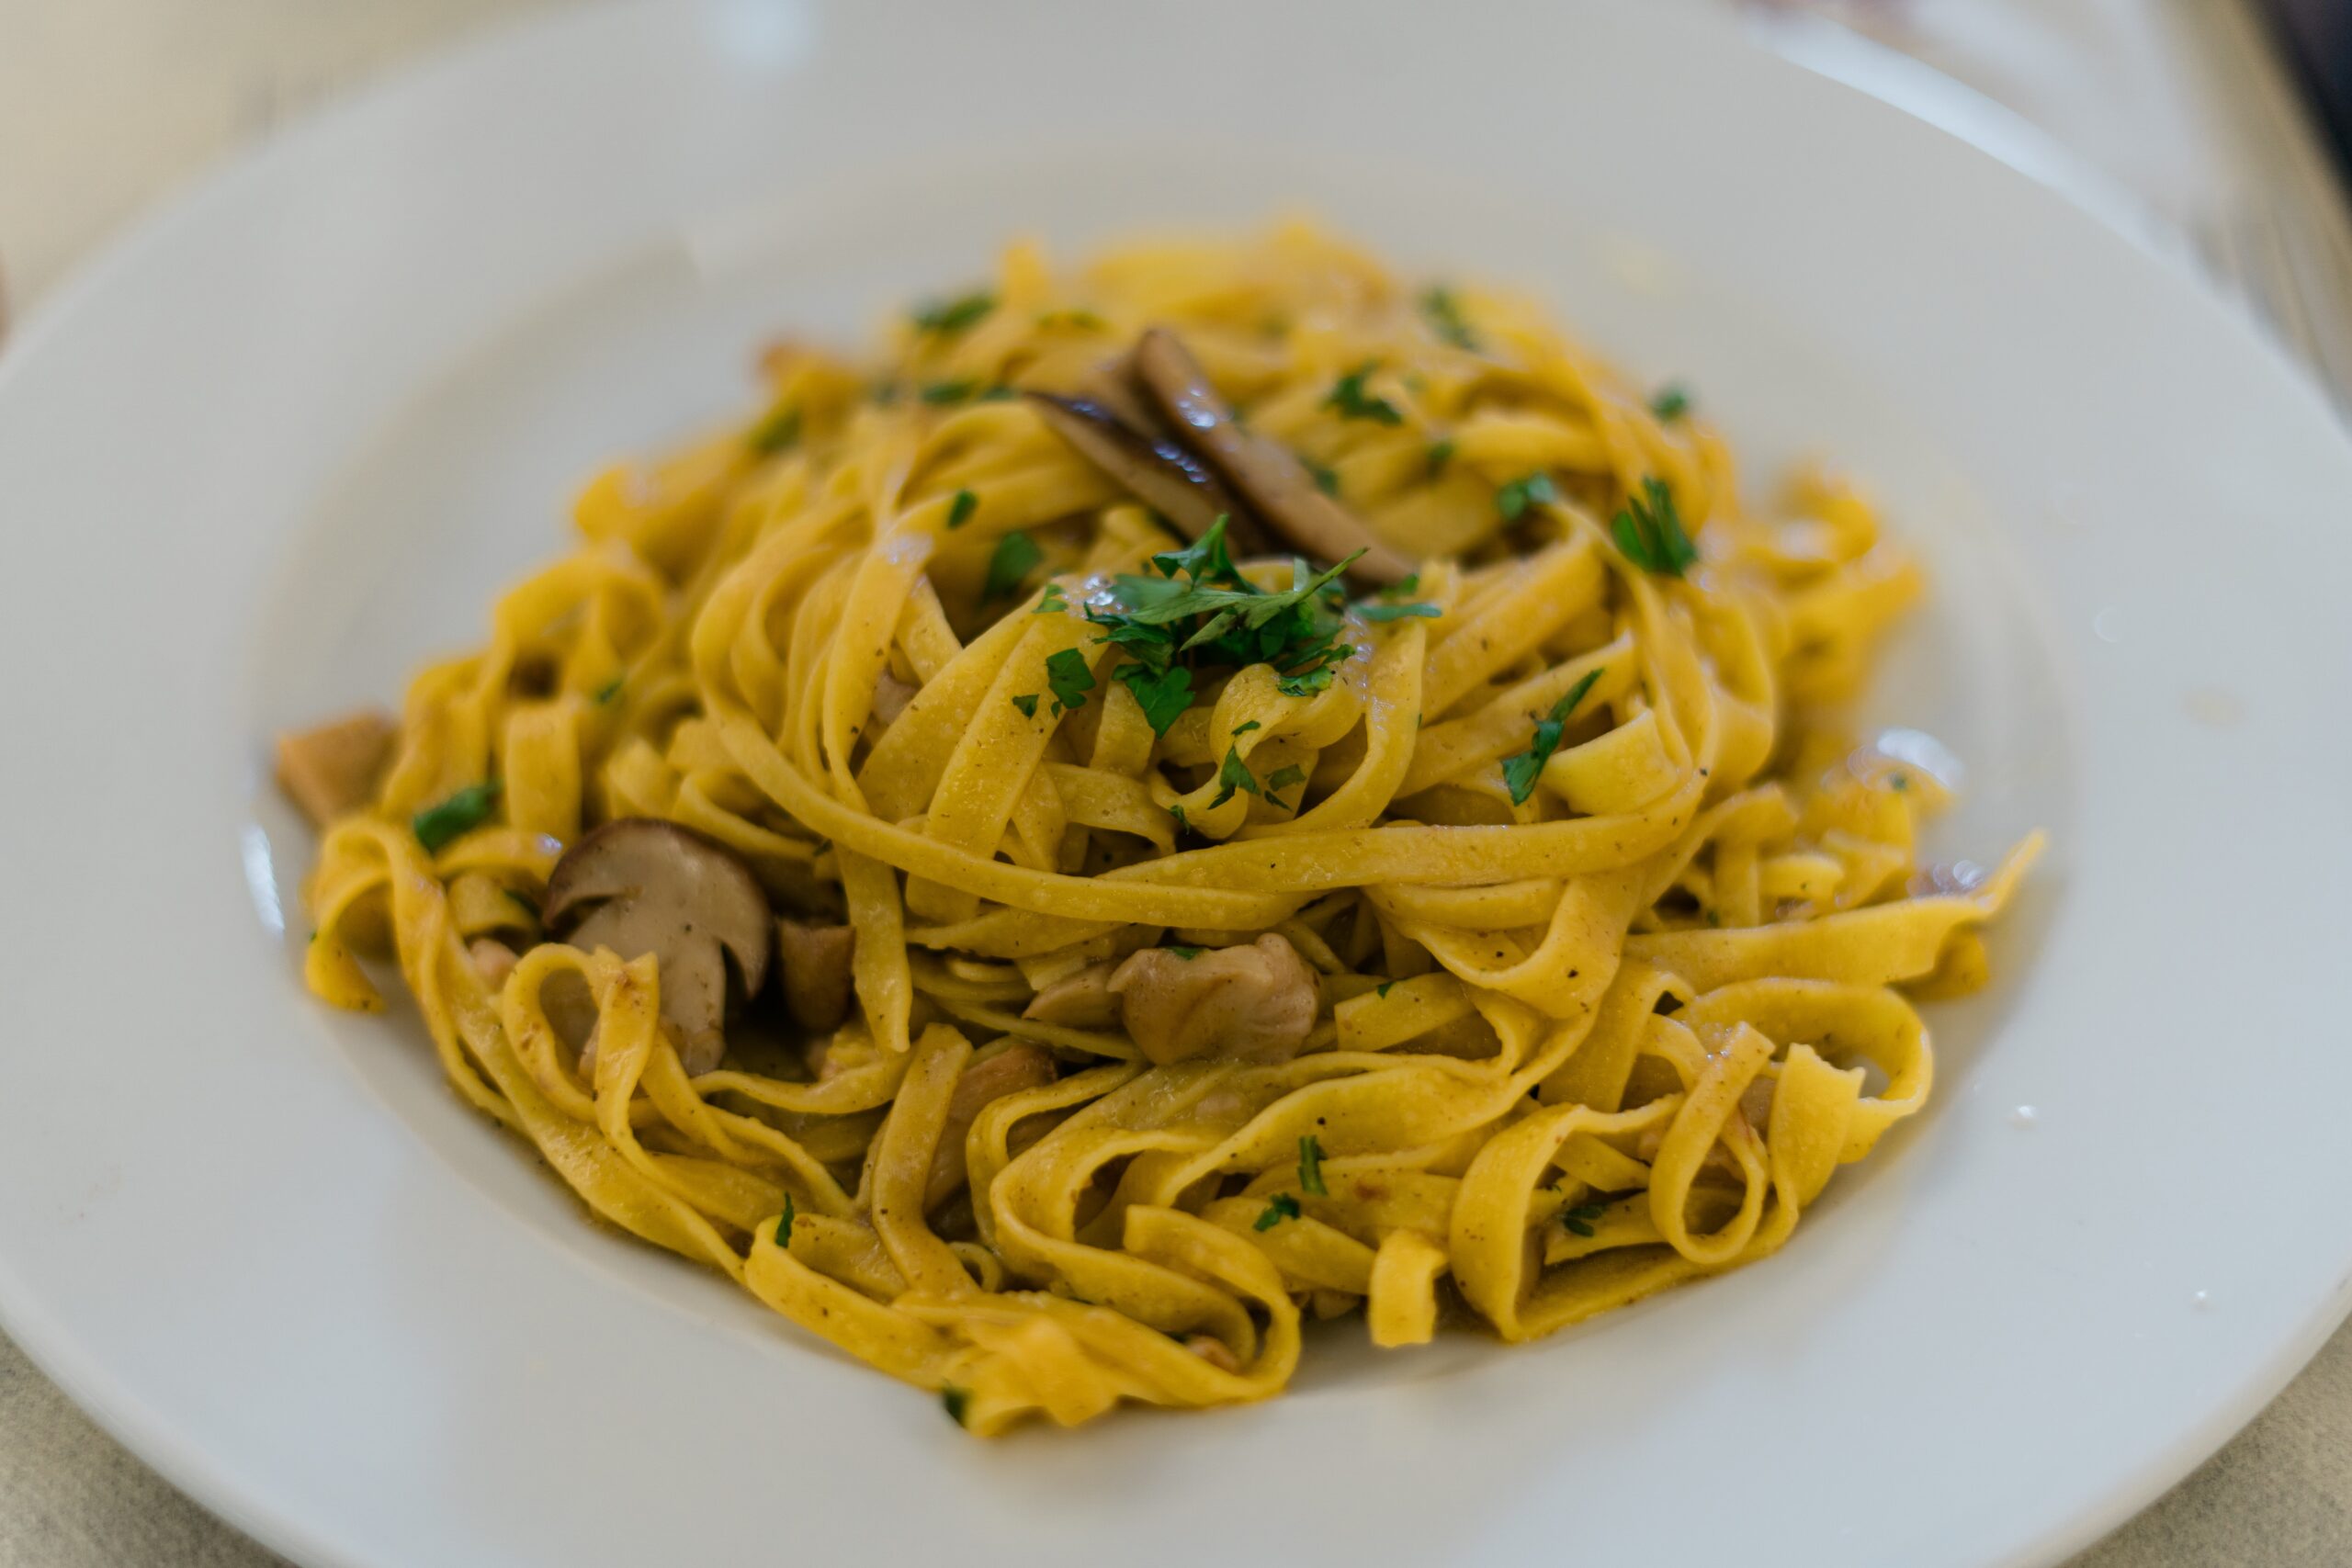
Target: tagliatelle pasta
1285,793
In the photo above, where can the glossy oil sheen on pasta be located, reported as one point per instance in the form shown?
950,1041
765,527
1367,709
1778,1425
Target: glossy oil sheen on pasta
1597,1009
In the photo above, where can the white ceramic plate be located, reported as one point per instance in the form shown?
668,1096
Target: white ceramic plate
290,439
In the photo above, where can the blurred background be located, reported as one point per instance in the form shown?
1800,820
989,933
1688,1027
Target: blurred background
2211,128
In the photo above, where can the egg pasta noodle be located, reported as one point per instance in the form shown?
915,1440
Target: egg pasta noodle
1496,944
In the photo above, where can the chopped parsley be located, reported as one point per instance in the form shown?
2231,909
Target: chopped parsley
1441,454
1079,321
1051,601
1521,771
1671,402
1351,401
1579,1219
948,317
954,1401
1164,694
780,432
1028,703
1382,989
1188,953
1016,556
1325,478
783,1223
1282,1206
1650,531
1384,610
997,392
1246,727
1068,674
1234,774
940,393
1176,809
1283,779
609,690
1899,782
1310,1166
1513,500
461,814
1444,313
960,509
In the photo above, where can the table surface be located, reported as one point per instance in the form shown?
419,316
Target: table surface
105,105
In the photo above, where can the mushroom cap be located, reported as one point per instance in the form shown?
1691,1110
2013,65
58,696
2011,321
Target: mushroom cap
1158,472
1252,1003
639,885
1266,473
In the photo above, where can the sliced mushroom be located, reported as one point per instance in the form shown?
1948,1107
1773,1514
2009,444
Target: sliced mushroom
1265,473
1160,474
1250,1004
331,771
1082,1000
640,885
817,959
987,1080
492,960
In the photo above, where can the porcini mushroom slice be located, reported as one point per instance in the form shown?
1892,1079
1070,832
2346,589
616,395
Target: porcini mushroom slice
331,771
985,1080
1253,1004
1082,1000
1265,473
1160,474
816,959
640,885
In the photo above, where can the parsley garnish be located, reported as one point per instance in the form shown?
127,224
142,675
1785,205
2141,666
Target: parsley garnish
1650,531
461,814
1307,684
609,690
1513,500
960,509
1352,402
783,1223
997,392
1282,1206
1246,727
1326,480
1375,610
778,432
1310,1166
948,317
1441,454
1899,782
1164,694
1234,774
1382,989
1028,703
1283,779
1188,953
1176,809
1083,320
1066,673
1051,601
1444,312
1521,771
1671,402
954,1401
938,393
1579,1219
1016,556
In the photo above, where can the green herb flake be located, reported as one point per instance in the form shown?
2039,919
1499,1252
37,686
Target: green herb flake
1188,953
1176,809
1441,454
1028,703
461,814
1377,611
1016,556
1513,500
948,317
609,690
1164,694
1283,779
1521,771
1050,601
1310,1166
1282,1206
1649,531
783,1223
1234,774
1672,403
1899,782
1325,478
1444,313
1382,989
939,394
1076,321
1246,727
1348,398
955,1402
1068,674
1307,684
1580,1220
960,509
780,432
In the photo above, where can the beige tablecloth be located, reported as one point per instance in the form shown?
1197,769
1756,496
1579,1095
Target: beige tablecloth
105,104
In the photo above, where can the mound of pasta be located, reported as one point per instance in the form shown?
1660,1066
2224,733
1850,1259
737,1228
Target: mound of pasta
1206,792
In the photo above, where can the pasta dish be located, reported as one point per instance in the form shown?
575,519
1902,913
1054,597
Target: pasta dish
1178,798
